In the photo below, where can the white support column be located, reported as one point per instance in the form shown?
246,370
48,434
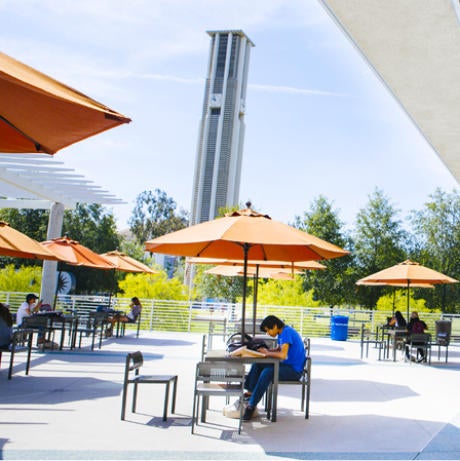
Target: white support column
49,273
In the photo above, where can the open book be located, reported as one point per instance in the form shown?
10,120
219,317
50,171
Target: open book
243,351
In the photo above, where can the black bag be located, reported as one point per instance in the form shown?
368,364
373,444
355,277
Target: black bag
234,342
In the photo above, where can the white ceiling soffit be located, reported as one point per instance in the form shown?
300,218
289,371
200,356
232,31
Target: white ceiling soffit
414,47
37,181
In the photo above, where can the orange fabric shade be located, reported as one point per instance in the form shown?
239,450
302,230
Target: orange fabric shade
72,252
125,263
18,245
262,264
245,235
40,114
408,273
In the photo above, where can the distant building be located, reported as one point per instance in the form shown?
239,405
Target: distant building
220,147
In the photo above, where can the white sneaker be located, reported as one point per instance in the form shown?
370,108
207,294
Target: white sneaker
233,409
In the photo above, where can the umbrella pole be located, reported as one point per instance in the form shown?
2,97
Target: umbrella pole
254,304
246,247
408,291
394,302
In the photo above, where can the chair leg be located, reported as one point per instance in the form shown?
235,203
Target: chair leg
194,412
29,352
10,371
173,402
302,402
134,398
123,401
165,404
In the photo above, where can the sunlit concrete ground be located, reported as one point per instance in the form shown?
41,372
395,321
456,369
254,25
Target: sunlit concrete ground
69,407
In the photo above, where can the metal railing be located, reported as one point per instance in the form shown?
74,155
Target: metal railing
225,318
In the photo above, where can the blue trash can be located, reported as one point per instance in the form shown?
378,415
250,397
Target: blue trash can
339,327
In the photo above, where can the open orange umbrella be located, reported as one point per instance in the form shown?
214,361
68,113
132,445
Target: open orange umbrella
76,254
263,273
245,235
263,269
297,265
40,114
125,263
408,273
18,245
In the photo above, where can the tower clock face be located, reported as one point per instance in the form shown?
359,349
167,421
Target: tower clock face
215,100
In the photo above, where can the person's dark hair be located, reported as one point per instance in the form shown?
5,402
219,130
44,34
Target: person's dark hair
400,319
135,300
31,296
269,322
5,314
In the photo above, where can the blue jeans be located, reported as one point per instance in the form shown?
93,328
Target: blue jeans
260,376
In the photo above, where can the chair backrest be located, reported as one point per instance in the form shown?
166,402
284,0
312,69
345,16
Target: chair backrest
204,347
220,371
443,332
134,360
307,345
95,319
39,321
22,339
420,338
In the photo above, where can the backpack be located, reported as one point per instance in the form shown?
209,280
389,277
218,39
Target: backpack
417,327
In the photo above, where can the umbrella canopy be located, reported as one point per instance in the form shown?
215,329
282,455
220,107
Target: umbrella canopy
408,273
40,114
123,262
273,269
262,264
18,245
72,252
245,235
264,273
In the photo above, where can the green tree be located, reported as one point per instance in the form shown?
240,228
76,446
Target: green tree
155,215
335,285
284,293
156,286
379,242
437,245
24,279
94,227
216,286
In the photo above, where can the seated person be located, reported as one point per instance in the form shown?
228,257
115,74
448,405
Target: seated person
398,321
290,350
416,326
6,325
130,317
27,308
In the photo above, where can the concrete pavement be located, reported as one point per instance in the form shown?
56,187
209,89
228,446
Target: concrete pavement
69,408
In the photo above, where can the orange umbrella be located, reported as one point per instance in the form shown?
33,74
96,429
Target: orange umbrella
72,252
125,263
262,264
40,114
407,274
245,235
264,273
18,245
263,269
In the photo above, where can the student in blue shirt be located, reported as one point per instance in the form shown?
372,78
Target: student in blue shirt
290,350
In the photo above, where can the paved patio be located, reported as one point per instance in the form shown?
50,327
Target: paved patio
69,408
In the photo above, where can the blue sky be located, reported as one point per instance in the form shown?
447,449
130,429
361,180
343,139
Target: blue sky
318,120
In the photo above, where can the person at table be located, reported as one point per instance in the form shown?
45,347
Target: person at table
416,326
6,325
130,317
290,351
27,308
398,321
